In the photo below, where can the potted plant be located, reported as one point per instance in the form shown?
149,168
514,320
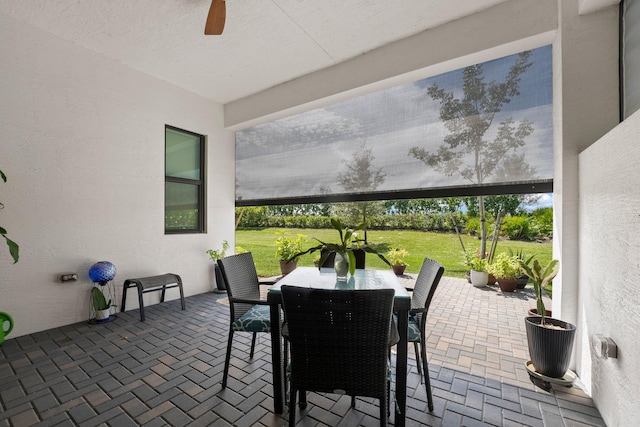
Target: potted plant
345,260
288,251
101,306
396,258
14,249
523,279
215,256
550,340
506,269
478,274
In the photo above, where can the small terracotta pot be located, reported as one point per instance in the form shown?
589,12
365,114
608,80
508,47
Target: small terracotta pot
287,267
398,269
507,285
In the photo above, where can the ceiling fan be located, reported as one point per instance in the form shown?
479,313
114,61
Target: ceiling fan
216,18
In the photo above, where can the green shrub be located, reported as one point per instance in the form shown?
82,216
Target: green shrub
253,216
542,223
517,228
536,226
472,227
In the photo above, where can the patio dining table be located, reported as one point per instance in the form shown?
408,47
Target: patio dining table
325,278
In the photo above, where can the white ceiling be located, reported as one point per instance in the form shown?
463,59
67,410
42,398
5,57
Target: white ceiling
265,42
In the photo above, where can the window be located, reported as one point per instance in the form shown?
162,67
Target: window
184,182
482,130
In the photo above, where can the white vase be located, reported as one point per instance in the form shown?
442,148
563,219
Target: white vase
479,279
341,265
102,315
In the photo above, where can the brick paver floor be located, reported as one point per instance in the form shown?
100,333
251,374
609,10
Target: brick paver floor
167,371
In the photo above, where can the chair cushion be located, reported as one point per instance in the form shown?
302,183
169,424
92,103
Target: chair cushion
413,330
257,319
413,333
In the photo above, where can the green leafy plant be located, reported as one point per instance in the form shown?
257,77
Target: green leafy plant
349,241
540,276
519,253
396,256
240,250
289,247
98,299
517,228
505,266
521,256
216,255
14,249
474,262
542,223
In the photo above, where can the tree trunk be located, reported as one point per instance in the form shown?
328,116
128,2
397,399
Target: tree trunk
364,221
455,226
483,227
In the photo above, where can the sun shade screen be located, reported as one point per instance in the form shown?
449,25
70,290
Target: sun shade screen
485,125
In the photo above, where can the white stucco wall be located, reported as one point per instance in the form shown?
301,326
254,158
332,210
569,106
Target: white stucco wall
82,142
609,195
585,108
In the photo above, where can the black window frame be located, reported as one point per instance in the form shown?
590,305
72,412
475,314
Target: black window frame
199,183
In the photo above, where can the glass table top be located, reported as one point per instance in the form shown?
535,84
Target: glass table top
325,278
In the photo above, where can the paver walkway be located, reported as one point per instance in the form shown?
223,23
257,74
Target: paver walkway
167,372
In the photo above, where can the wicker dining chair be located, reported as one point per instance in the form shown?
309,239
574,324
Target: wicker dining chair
337,341
248,313
423,290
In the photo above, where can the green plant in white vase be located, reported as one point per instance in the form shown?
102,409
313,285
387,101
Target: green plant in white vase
474,262
477,269
101,306
349,242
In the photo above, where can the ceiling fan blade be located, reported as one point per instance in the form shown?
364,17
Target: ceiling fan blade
216,18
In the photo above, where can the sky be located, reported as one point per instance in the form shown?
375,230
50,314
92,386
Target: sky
545,201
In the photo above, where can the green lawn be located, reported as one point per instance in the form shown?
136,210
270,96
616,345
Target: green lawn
443,247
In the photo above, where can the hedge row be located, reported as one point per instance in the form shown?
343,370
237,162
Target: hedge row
537,226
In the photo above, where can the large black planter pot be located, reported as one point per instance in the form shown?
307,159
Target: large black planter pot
219,279
550,349
522,282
